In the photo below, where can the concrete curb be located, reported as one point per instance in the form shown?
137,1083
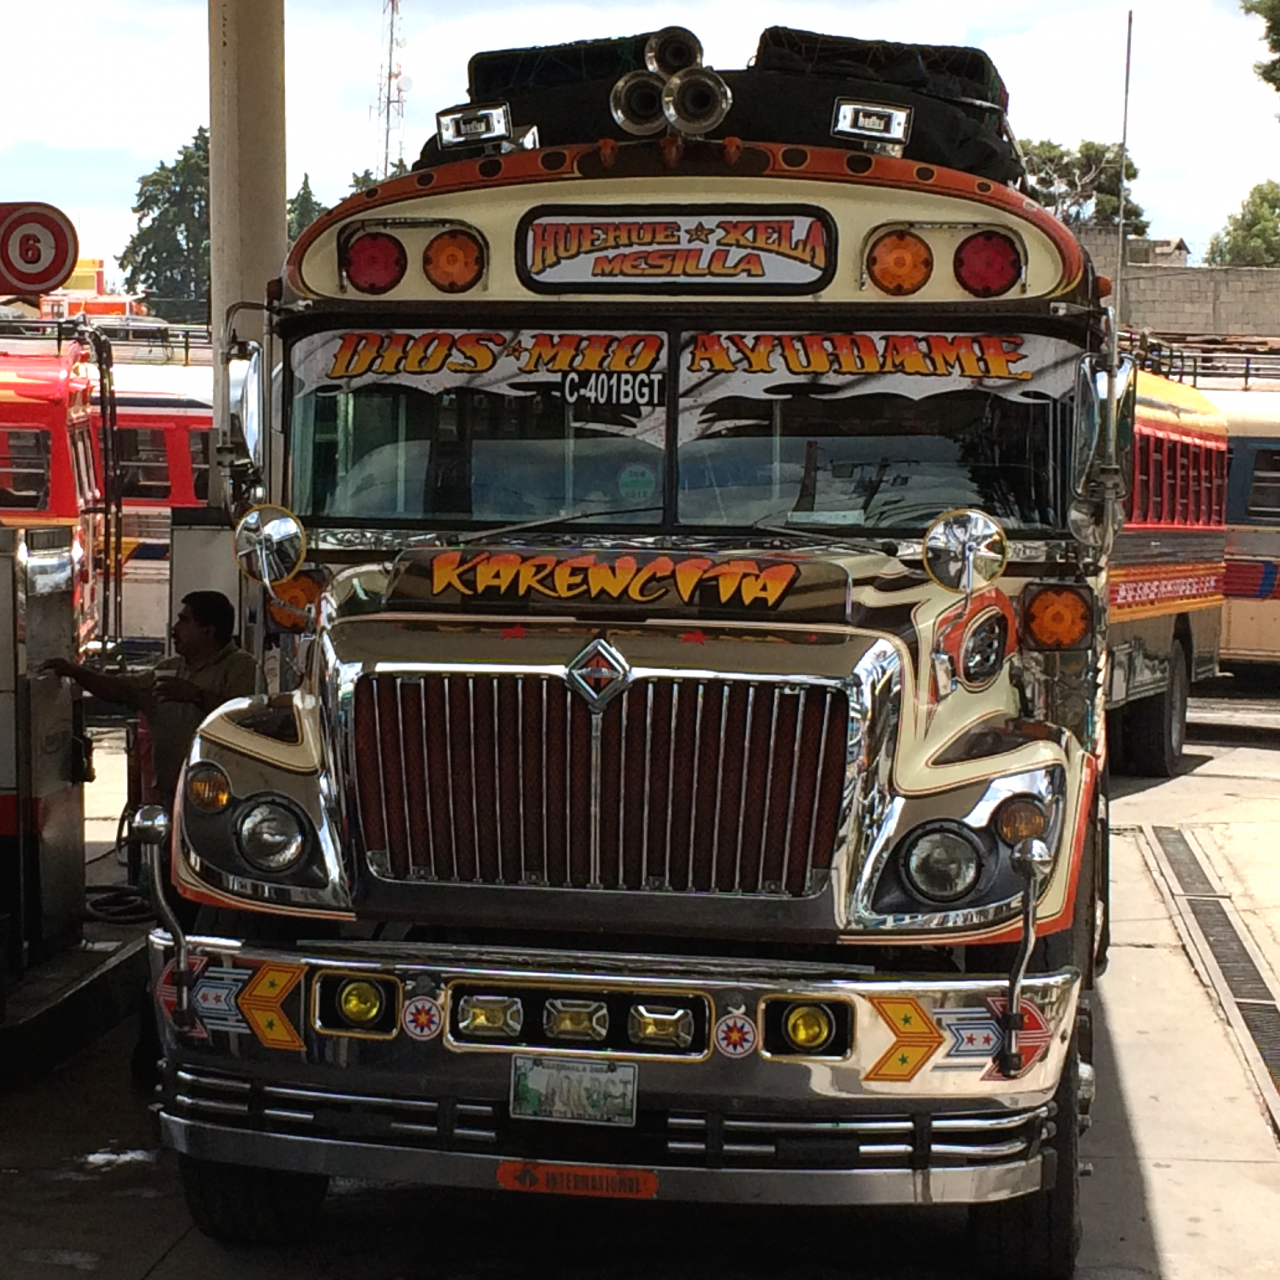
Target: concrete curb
93,1006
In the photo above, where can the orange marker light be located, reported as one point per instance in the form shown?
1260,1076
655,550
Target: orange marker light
453,261
1057,618
900,263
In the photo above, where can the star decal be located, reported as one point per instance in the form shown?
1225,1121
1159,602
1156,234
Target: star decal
693,637
699,234
516,632
515,350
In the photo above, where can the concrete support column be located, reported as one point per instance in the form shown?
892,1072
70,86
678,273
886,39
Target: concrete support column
247,195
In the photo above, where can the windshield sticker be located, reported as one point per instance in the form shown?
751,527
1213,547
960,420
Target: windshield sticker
641,579
574,249
764,366
621,376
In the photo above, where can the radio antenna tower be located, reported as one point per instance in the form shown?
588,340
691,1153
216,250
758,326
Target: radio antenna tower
392,87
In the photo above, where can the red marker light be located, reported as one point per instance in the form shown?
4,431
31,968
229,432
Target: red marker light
988,264
374,262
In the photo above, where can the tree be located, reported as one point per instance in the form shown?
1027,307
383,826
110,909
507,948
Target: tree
1251,237
1269,12
303,209
1082,187
367,179
168,255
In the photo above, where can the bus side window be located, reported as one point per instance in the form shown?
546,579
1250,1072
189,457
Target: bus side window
144,467
200,440
1158,479
24,469
1264,496
1141,478
1182,479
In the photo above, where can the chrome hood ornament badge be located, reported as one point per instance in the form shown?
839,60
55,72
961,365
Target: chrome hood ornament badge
598,673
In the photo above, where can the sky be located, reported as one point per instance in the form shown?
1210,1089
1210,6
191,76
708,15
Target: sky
120,85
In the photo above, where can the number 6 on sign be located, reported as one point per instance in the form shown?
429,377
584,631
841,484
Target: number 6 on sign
38,248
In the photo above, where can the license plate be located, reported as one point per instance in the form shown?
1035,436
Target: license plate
573,1091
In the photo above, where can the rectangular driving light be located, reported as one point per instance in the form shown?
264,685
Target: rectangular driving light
490,1017
474,126
575,1019
660,1025
877,125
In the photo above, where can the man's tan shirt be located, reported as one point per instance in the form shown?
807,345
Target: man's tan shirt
230,673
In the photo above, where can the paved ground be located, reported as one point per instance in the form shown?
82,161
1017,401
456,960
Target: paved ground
1187,1169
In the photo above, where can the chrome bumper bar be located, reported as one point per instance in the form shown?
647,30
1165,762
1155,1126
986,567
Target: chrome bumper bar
207,1141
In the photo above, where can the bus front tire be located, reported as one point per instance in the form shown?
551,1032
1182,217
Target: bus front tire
240,1204
1156,727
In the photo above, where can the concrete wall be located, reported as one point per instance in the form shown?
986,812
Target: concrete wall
1223,301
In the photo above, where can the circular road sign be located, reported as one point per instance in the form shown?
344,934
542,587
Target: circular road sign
38,248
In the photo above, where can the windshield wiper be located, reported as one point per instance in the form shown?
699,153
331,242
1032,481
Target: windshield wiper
821,535
546,521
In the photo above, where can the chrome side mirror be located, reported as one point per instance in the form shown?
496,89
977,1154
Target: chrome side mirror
965,551
270,544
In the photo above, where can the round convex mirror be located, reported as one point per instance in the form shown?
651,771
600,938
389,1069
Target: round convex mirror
270,544
965,551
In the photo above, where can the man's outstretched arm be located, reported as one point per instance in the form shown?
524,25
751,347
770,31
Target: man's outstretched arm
99,683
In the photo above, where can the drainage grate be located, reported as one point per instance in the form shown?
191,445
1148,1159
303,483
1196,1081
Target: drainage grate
1186,866
1238,970
1263,1021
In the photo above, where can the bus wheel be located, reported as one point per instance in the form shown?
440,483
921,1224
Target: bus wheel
239,1204
1157,727
1037,1237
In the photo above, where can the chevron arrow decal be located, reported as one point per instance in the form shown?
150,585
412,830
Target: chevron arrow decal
916,1039
261,1004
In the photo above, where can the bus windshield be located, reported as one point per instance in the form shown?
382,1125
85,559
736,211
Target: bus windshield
478,427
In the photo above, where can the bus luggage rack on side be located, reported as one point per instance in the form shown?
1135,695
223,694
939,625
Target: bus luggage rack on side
676,785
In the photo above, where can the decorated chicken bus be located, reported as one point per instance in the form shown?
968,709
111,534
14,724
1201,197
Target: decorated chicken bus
1251,614
687,782
51,485
163,448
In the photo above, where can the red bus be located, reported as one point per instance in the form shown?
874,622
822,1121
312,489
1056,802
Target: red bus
50,470
1167,571
164,419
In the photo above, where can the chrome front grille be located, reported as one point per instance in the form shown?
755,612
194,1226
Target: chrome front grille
676,784
332,1112
901,1141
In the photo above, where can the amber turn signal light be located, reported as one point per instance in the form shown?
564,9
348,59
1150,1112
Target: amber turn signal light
1021,818
900,263
1057,618
208,788
453,261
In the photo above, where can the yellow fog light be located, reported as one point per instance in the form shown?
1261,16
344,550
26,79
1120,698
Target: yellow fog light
809,1027
1022,818
360,1003
208,788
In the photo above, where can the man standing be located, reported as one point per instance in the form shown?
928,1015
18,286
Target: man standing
207,668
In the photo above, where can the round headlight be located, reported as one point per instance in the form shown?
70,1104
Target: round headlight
271,836
942,865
